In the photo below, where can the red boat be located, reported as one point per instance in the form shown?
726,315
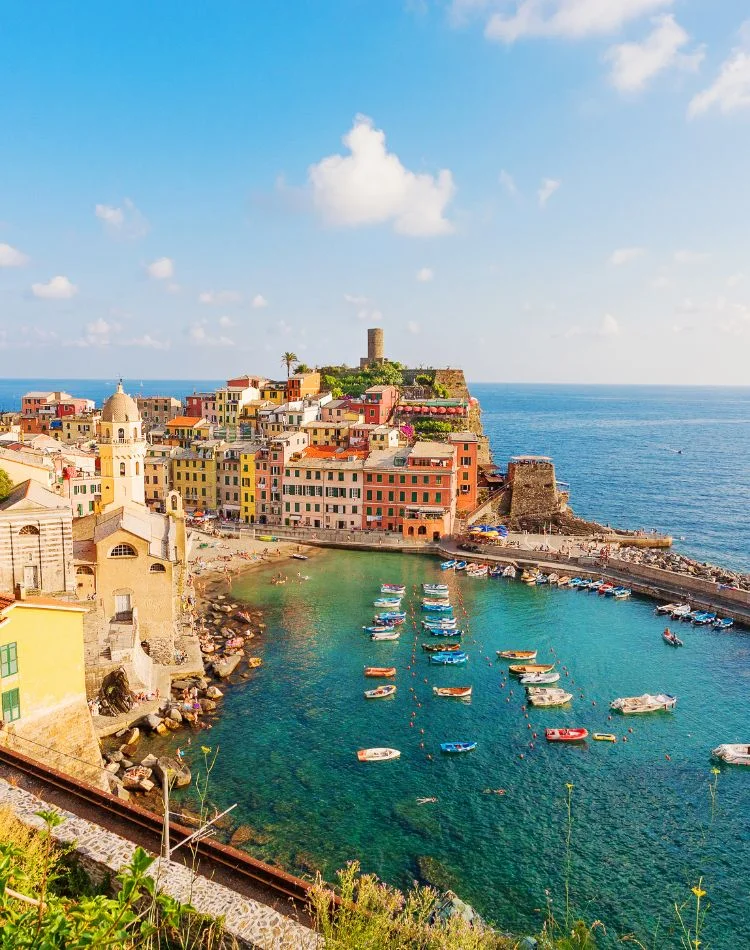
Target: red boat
565,735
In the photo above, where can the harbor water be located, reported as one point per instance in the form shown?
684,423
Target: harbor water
645,824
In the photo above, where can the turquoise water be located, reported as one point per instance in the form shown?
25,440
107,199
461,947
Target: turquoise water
643,829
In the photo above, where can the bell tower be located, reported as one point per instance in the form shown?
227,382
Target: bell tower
122,452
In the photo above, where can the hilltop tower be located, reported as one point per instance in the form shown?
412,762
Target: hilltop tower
122,451
375,348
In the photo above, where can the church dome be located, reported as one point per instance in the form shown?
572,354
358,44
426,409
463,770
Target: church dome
120,407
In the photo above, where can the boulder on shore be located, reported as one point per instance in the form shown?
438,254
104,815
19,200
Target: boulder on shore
177,772
213,692
226,666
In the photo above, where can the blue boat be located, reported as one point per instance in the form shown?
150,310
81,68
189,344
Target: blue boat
576,582
703,619
448,659
460,566
440,632
723,624
437,608
442,622
455,747
585,583
595,585
447,565
391,615
380,628
621,593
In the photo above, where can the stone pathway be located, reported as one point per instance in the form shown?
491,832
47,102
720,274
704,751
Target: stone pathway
101,852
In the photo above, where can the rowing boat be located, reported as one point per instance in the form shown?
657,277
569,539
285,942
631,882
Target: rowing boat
644,704
517,654
387,635
521,669
540,679
381,692
382,671
456,747
543,696
449,658
604,737
565,735
377,755
442,647
453,692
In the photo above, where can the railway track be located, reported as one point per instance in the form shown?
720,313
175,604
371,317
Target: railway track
219,862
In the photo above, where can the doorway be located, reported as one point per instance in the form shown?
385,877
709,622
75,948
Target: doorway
123,607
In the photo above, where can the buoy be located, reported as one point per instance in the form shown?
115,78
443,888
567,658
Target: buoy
507,699
429,755
421,745
422,731
668,758
609,719
522,756
630,730
524,707
411,724
531,745
534,735
502,685
593,702
528,725
624,738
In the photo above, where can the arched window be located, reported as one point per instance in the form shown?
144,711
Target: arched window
29,529
135,434
137,468
123,550
158,569
122,468
422,529
121,434
84,570
174,502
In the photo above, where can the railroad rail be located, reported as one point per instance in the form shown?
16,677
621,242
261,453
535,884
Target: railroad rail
235,869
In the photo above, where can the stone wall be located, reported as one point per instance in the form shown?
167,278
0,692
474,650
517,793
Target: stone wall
696,586
533,488
40,539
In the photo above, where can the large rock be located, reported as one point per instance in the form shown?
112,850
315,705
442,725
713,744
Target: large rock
213,692
149,760
207,705
162,730
175,715
152,721
177,772
226,666
115,756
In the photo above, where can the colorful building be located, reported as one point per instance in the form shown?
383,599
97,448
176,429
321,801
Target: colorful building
157,411
334,434
232,478
76,428
467,446
376,404
194,474
274,392
80,489
250,453
322,488
300,385
184,430
269,474
157,482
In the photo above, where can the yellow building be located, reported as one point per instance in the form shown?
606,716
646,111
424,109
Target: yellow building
43,688
333,434
194,474
77,428
248,474
184,430
274,392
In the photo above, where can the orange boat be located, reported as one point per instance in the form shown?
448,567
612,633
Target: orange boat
522,668
565,735
529,655
453,692
384,671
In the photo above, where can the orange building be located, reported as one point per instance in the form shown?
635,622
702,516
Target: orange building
466,456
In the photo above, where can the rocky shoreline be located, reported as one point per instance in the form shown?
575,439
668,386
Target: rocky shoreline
681,564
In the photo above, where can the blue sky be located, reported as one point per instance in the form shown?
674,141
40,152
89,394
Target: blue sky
537,190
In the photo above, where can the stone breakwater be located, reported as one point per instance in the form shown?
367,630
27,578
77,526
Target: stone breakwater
680,564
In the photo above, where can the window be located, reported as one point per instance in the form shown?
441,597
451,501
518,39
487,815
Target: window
11,706
158,569
379,478
29,529
8,659
123,550
402,496
413,496
438,497
121,434
122,468
425,497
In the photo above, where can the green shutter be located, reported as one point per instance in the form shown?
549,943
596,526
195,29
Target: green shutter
11,705
8,659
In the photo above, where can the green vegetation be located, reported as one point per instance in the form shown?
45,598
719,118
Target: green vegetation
288,359
433,425
423,379
302,368
441,392
344,381
6,485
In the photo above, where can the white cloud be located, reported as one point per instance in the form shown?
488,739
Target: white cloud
635,64
11,257
508,183
161,269
548,187
259,301
126,221
425,275
572,19
199,336
59,288
100,328
226,322
371,186
730,91
147,342
356,300
689,257
413,327
112,216
220,296
623,255
609,326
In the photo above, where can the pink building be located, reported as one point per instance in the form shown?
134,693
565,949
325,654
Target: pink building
376,403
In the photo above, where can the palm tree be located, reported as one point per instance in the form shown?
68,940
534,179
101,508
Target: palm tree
287,360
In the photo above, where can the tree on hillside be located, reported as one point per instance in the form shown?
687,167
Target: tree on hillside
288,359
6,485
302,368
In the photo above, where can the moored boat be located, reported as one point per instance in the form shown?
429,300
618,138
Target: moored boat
385,672
541,579
443,623
380,628
381,692
672,639
733,753
457,747
723,623
585,583
377,755
496,572
447,565
453,692
703,619
666,608
391,617
436,608
595,585
621,593
644,704
681,610
566,735
431,588
606,590
387,635
553,578
547,696
480,570
449,658
529,655
440,632
520,669
460,566
387,603
509,571
442,647
392,589
563,581
540,679
604,737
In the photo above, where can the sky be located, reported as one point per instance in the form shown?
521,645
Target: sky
533,190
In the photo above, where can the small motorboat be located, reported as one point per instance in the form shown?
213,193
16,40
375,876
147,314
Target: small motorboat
377,755
606,590
566,735
563,581
703,619
621,593
436,607
509,571
300,557
672,639
387,603
392,589
540,679
381,692
496,572
253,662
604,737
722,624
440,632
445,623
453,748
541,579
442,647
647,703
595,585
481,570
453,692
733,753
447,565
384,672
434,588
460,566
585,584
521,669
529,577
681,610
547,696
449,658
391,616
529,655
666,608
387,635
575,582
380,628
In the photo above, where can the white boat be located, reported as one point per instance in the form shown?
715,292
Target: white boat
538,679
621,593
733,754
377,755
509,571
553,578
388,635
644,704
432,588
382,692
681,610
547,696
666,608
481,571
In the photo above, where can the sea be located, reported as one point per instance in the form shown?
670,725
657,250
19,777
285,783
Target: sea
648,818
674,458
